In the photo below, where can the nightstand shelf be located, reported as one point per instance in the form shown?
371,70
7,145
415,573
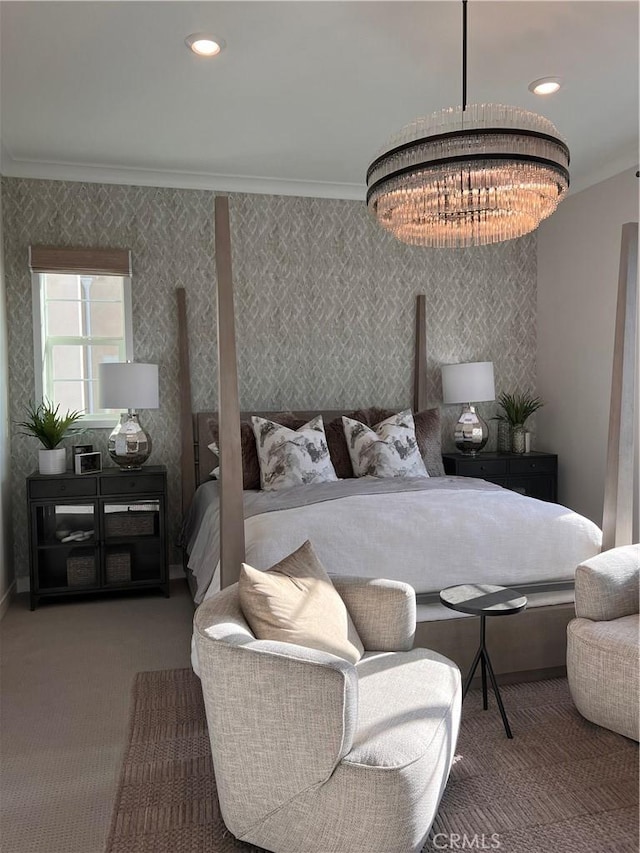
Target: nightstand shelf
533,474
124,513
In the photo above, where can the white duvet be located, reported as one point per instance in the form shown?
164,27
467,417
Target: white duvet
430,538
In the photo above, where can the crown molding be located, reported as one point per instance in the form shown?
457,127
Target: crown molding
14,167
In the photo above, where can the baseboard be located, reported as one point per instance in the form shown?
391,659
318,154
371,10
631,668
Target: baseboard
5,601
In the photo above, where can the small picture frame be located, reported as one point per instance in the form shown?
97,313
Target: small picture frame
87,463
82,448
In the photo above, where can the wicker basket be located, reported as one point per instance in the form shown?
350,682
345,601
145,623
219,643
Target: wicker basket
81,570
118,565
130,523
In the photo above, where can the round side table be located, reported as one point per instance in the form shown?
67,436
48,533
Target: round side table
484,600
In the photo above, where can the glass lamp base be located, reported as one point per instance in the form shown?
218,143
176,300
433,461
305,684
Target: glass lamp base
471,432
129,445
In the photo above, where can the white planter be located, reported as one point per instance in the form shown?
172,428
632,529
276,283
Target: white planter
52,461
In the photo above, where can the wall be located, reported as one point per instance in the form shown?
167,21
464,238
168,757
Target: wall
325,304
6,557
578,262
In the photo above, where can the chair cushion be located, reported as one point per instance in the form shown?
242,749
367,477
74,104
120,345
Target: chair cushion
603,669
296,602
405,701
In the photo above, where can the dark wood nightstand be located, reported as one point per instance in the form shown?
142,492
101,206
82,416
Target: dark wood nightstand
97,532
534,474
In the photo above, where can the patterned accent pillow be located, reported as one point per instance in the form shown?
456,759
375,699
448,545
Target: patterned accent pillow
250,464
292,457
389,449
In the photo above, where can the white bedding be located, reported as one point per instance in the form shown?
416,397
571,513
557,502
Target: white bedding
430,538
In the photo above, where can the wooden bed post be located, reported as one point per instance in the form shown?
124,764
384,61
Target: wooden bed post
420,367
231,503
617,517
187,460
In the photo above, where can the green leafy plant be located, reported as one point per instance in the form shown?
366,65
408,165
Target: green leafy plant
44,423
517,408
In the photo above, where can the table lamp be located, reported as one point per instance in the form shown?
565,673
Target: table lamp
462,383
132,386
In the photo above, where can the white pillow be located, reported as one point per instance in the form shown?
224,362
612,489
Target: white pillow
388,450
291,457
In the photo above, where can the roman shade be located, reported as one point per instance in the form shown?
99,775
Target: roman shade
80,261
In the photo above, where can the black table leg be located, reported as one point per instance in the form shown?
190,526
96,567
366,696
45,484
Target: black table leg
483,647
472,670
482,657
494,683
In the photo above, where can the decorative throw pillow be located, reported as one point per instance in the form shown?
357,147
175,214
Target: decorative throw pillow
388,450
250,464
292,457
295,602
338,450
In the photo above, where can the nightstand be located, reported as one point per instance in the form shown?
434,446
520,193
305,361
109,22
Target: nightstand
97,532
534,474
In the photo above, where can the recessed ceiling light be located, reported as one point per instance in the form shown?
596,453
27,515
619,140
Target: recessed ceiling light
204,45
545,86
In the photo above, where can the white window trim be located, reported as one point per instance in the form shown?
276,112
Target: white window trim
37,301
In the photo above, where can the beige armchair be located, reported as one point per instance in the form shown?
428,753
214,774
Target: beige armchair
314,754
603,645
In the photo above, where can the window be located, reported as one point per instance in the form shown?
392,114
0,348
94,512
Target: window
81,318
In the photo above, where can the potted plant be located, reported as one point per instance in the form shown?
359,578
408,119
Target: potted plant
44,423
516,409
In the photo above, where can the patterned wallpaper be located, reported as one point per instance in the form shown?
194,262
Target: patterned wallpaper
325,305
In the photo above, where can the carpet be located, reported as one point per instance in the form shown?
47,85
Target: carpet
561,785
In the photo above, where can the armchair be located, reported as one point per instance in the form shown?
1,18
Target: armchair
314,754
603,645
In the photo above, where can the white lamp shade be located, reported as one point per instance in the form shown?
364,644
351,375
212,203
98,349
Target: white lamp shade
468,383
128,385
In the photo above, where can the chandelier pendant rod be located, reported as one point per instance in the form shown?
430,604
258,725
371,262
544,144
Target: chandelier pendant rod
464,92
464,55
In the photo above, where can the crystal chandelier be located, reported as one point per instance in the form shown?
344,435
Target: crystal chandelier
468,176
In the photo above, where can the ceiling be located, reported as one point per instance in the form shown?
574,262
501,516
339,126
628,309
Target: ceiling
304,94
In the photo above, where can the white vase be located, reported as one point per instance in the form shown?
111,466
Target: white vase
52,461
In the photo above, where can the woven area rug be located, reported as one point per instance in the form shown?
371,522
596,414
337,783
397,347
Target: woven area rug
562,785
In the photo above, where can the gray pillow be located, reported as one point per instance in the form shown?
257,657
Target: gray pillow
428,435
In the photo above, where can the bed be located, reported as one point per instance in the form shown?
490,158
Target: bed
431,533
428,532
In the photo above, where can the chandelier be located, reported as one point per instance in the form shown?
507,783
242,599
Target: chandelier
468,176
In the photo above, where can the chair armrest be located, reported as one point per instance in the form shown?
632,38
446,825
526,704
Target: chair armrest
280,718
383,611
607,584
